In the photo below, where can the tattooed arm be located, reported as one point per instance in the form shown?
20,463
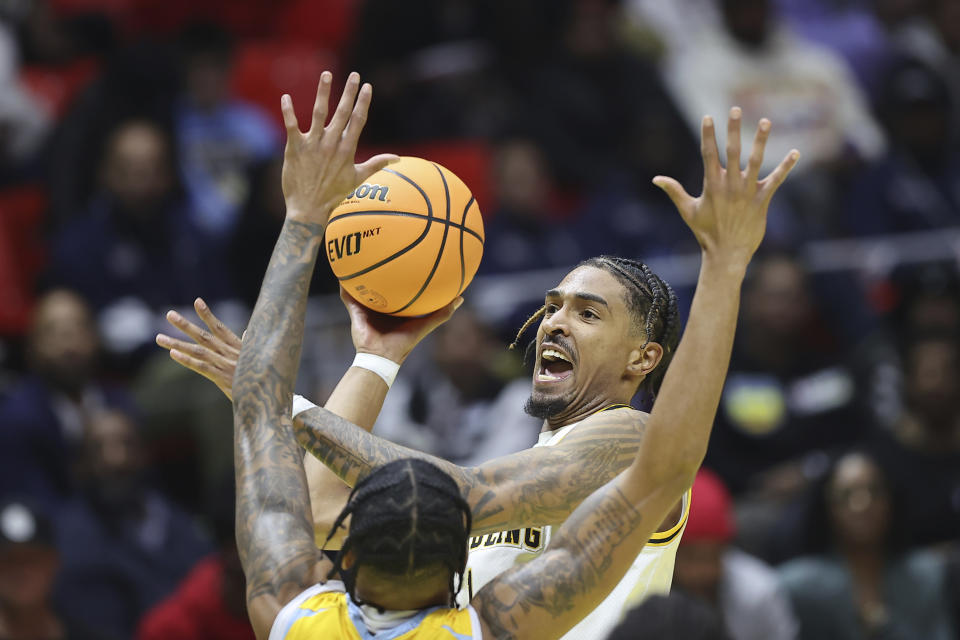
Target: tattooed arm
274,532
535,487
593,549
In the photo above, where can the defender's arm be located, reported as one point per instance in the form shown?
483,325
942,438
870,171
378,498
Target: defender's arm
274,533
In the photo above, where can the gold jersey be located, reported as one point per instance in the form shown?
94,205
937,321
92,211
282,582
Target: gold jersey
325,612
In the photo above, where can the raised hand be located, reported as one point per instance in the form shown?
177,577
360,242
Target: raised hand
388,336
729,218
213,354
318,166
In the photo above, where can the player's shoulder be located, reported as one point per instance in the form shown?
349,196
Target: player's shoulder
298,618
462,623
618,414
612,421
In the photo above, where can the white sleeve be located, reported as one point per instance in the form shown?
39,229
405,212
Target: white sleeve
291,611
476,629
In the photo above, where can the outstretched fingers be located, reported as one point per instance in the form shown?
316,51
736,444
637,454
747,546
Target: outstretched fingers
708,150
678,195
374,164
196,351
772,182
345,107
289,118
733,146
358,117
197,334
756,153
321,103
203,367
215,325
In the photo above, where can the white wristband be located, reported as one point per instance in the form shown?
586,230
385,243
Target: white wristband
386,369
300,404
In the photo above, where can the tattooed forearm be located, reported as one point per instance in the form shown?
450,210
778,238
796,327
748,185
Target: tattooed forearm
543,486
531,488
587,557
274,532
352,452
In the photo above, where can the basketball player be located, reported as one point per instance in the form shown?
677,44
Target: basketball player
605,329
407,541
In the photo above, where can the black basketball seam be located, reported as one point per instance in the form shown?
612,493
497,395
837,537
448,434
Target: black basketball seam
410,246
443,243
463,224
388,212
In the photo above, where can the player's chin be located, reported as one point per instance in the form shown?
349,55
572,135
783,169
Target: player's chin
545,405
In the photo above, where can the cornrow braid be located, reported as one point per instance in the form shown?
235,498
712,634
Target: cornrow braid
526,325
653,303
408,517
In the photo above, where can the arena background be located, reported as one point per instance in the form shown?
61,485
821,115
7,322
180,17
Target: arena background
140,146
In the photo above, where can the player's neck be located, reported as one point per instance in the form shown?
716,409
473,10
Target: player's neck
390,598
578,411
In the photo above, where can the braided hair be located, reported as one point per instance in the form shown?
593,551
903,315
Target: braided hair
408,518
651,301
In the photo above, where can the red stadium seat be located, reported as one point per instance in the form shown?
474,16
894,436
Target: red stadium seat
265,70
21,255
327,22
55,86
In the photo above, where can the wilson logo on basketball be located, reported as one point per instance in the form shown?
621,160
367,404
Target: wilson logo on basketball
372,191
349,244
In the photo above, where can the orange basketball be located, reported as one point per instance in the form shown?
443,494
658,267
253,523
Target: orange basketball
408,240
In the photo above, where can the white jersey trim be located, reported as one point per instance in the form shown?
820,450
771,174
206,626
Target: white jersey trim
477,630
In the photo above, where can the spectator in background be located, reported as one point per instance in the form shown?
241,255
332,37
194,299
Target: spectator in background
525,232
459,405
852,28
139,81
134,252
921,454
807,90
24,123
917,186
28,566
124,546
744,591
925,301
862,584
672,616
432,64
788,395
934,37
210,603
601,112
219,137
42,421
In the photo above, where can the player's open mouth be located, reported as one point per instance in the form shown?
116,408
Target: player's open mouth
554,366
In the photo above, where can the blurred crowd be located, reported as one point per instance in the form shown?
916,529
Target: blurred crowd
140,151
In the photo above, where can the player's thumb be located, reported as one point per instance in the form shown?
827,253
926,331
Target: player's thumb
674,191
374,164
443,314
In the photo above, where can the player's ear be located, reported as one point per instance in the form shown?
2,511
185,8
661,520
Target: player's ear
643,360
348,560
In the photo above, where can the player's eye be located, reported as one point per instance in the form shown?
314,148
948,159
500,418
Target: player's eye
550,308
589,314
